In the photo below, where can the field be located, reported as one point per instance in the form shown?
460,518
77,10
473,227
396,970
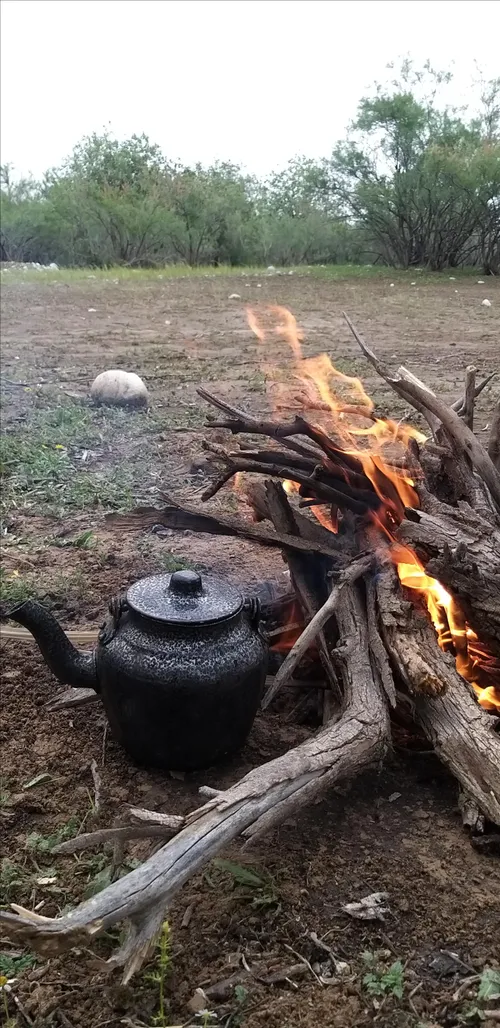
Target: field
64,466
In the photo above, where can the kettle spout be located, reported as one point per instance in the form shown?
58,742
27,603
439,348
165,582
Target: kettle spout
67,663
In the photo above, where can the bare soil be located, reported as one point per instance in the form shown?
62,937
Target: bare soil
396,831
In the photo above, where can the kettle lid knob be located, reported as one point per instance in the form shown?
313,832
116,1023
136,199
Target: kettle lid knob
185,583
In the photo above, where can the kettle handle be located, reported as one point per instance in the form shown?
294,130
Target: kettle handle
253,608
118,605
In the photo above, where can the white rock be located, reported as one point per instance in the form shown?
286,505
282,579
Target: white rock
259,285
413,283
167,321
391,285
92,310
234,296
119,389
271,267
53,266
480,281
452,278
486,303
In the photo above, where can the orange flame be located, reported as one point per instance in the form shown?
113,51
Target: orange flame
345,413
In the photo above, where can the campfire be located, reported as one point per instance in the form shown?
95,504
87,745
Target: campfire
391,536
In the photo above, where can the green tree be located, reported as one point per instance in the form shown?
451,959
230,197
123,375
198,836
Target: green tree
421,180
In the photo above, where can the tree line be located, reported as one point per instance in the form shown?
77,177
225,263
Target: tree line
415,183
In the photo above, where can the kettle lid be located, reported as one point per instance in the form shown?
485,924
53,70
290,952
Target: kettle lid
184,598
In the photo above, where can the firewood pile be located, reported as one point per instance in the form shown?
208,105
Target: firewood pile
392,541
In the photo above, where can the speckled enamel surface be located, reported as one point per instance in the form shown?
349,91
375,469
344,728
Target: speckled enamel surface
182,696
155,598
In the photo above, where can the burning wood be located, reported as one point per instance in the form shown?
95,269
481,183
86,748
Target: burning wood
393,547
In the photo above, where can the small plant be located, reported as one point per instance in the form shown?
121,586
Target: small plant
383,981
170,562
489,986
488,992
13,588
12,966
82,542
258,886
45,843
159,975
235,1017
6,987
12,878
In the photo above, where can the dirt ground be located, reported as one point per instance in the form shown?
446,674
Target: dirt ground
395,831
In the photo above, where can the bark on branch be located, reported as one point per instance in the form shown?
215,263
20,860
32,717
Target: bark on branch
357,739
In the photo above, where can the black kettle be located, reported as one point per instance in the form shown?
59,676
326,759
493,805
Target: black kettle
180,665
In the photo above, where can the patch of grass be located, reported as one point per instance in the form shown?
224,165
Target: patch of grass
45,843
50,464
84,541
381,980
53,590
42,477
126,275
14,589
13,877
170,562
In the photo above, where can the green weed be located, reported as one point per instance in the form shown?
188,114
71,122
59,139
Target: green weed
170,562
84,541
41,466
257,886
235,1018
489,986
383,981
159,974
14,589
13,877
10,966
45,843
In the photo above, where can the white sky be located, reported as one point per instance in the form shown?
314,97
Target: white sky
252,81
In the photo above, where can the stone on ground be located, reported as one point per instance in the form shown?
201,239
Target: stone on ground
119,389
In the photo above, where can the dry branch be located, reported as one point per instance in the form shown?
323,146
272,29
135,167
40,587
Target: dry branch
90,840
457,432
356,740
462,550
459,404
187,517
307,575
494,443
436,412
464,738
72,697
305,640
460,731
469,397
